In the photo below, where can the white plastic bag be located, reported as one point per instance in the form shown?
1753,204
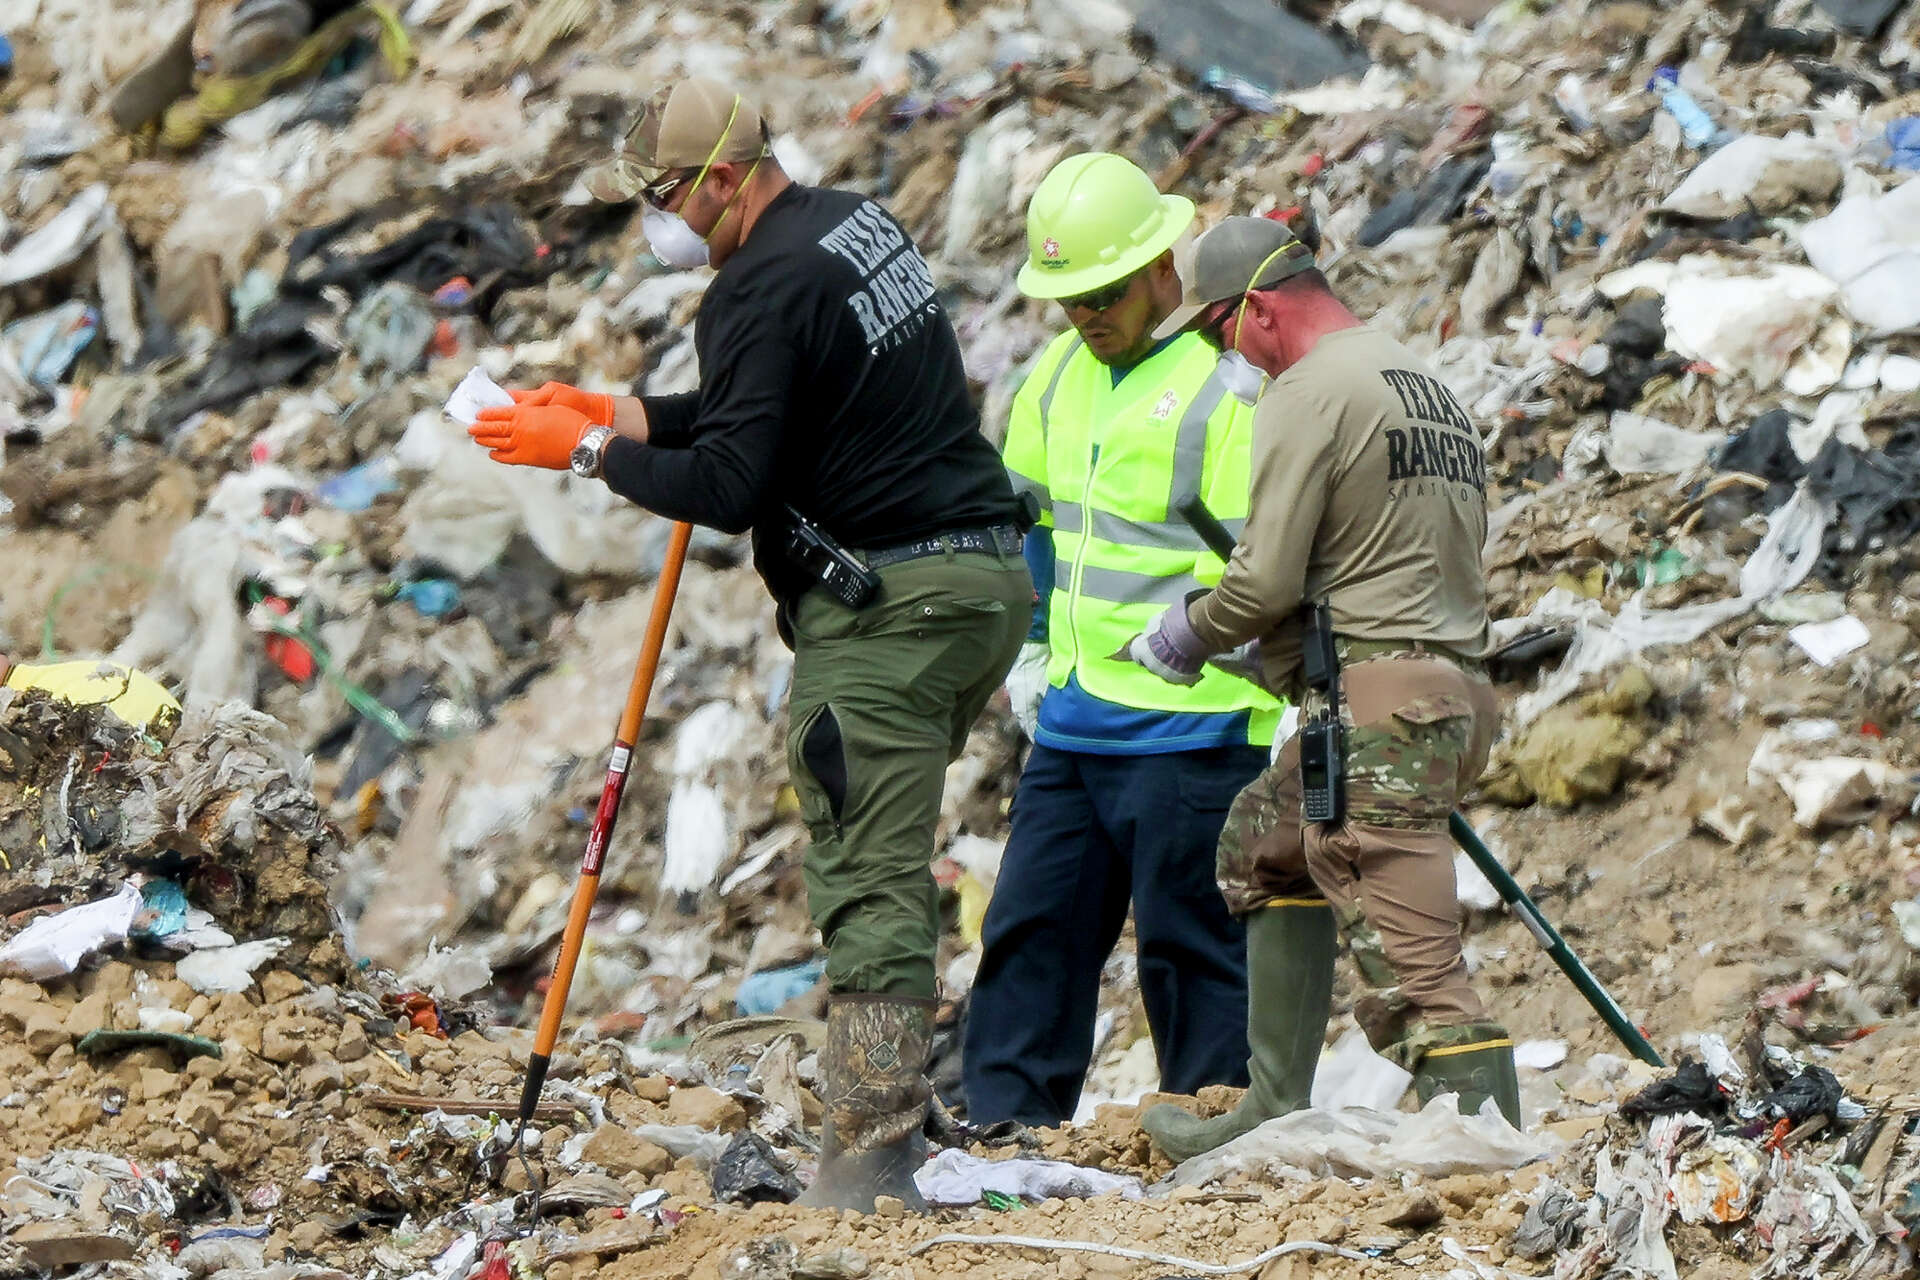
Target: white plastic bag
1351,1074
955,1177
1636,445
1357,1143
53,946
1870,246
227,970
1743,320
1771,173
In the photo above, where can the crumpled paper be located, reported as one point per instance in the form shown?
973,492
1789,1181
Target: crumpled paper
476,392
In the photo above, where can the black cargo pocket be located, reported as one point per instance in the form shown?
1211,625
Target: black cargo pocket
825,756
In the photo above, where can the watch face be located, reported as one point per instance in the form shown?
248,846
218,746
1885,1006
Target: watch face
585,458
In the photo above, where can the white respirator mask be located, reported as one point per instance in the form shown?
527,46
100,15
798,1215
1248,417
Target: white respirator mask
674,242
1237,374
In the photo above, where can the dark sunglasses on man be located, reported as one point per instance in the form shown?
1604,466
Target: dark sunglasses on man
662,188
1103,297
1212,327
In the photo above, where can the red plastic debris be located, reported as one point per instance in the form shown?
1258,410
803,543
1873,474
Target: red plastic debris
1777,1134
621,1022
494,1262
1312,166
419,1010
288,654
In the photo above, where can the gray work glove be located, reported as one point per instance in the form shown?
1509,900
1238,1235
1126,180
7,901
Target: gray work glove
1027,684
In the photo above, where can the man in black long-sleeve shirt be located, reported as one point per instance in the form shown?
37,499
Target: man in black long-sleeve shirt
831,384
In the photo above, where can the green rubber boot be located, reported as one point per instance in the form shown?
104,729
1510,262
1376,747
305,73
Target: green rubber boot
1476,1071
874,1091
1290,953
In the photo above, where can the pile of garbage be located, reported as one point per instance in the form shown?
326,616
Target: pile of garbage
1667,255
218,823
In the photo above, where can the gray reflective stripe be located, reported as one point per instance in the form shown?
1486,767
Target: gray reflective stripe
1027,484
1070,517
1053,383
1121,586
1190,446
1173,535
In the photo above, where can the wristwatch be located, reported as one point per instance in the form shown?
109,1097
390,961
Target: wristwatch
585,458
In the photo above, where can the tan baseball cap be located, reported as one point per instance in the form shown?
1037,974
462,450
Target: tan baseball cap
1234,257
691,124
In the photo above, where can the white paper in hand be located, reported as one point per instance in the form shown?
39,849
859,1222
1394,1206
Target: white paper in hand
476,392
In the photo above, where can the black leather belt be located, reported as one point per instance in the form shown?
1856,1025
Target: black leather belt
1001,538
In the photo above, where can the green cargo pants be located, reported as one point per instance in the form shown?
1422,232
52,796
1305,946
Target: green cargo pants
882,702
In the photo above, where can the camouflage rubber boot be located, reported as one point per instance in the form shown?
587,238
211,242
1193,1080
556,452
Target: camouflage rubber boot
1290,954
1476,1071
874,1090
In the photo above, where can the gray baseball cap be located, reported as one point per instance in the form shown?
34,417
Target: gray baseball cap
1230,259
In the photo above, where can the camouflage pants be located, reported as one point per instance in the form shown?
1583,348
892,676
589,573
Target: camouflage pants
1418,732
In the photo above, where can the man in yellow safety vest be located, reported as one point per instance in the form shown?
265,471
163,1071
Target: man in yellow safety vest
1130,778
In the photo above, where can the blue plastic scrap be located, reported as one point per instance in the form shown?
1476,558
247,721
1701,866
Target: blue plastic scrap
1696,126
1903,140
163,912
356,488
433,597
767,990
47,344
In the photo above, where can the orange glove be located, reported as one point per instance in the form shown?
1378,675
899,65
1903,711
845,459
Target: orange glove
597,407
530,435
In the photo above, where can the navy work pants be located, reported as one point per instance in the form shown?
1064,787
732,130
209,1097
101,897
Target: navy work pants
1089,833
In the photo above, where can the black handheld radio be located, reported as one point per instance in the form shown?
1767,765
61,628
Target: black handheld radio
832,566
1323,739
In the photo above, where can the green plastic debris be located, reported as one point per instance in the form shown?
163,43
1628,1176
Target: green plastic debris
97,1044
1663,565
1001,1201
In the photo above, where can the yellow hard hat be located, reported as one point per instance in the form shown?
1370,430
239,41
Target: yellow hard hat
1096,218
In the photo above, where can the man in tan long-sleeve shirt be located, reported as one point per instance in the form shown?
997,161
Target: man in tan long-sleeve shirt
1368,493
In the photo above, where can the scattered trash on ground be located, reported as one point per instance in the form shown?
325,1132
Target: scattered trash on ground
258,261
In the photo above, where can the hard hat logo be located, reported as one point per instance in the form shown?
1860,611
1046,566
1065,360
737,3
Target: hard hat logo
1109,210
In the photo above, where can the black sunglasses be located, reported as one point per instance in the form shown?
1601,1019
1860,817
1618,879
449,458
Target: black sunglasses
1103,297
661,189
1213,324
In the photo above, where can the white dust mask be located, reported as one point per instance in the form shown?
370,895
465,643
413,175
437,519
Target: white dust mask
1238,375
673,241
